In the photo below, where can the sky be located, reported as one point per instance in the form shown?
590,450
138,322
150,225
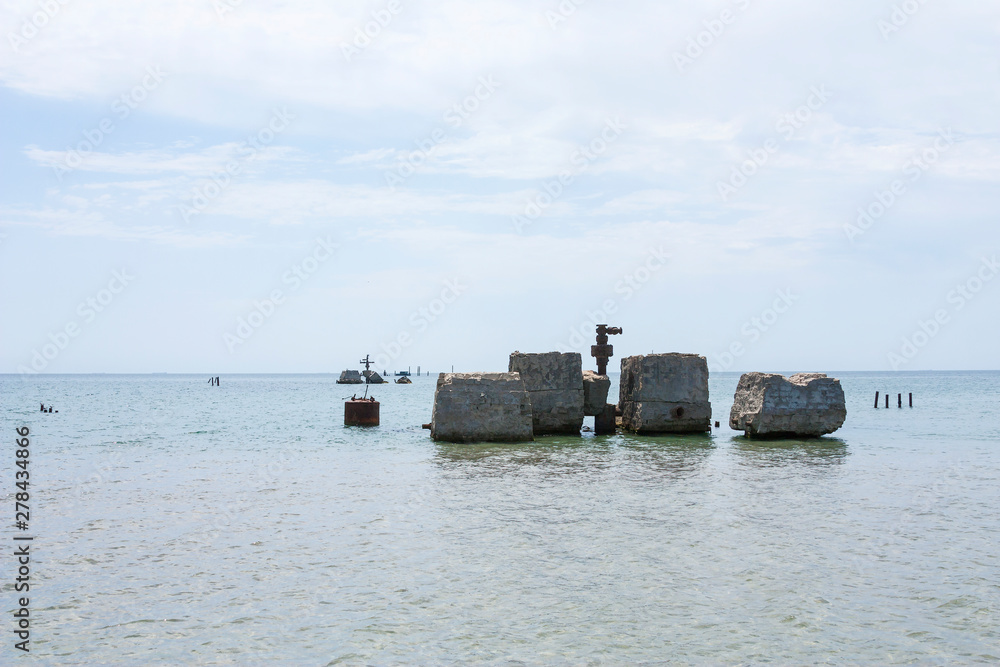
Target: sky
241,186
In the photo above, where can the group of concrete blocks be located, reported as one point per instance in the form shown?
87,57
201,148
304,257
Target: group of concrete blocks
550,393
541,394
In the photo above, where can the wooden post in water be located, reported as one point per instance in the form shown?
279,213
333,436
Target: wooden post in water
886,400
876,399
911,399
900,400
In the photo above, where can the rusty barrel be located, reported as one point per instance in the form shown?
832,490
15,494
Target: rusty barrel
361,412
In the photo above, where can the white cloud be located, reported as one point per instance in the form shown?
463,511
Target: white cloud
557,87
156,161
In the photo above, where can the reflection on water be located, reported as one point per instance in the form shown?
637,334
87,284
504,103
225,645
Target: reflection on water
809,452
661,457
627,456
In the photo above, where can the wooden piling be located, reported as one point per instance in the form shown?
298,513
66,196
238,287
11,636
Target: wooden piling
911,399
876,399
900,400
886,400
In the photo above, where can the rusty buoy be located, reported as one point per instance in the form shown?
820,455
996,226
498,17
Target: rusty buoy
361,412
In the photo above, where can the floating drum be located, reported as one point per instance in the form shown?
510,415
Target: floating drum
361,412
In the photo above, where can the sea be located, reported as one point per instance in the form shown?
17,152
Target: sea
178,522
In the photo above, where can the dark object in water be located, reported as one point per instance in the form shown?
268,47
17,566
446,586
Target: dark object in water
404,380
350,377
604,423
361,412
371,377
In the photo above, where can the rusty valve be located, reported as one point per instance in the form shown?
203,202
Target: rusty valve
602,351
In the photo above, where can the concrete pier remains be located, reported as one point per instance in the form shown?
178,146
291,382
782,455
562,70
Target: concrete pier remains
595,393
769,405
481,407
554,382
665,393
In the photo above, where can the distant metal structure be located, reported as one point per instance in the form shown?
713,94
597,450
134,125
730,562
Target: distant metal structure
367,362
363,411
602,351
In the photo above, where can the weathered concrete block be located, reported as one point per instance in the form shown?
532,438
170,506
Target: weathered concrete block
769,405
481,407
660,417
554,381
665,393
595,393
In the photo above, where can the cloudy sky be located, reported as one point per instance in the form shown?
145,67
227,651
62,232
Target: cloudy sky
249,186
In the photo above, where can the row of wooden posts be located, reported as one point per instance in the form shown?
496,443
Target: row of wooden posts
887,399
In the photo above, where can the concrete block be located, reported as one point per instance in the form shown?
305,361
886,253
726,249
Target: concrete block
665,393
481,407
595,393
554,382
769,405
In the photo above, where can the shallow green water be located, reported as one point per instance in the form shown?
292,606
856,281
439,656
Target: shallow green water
177,522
